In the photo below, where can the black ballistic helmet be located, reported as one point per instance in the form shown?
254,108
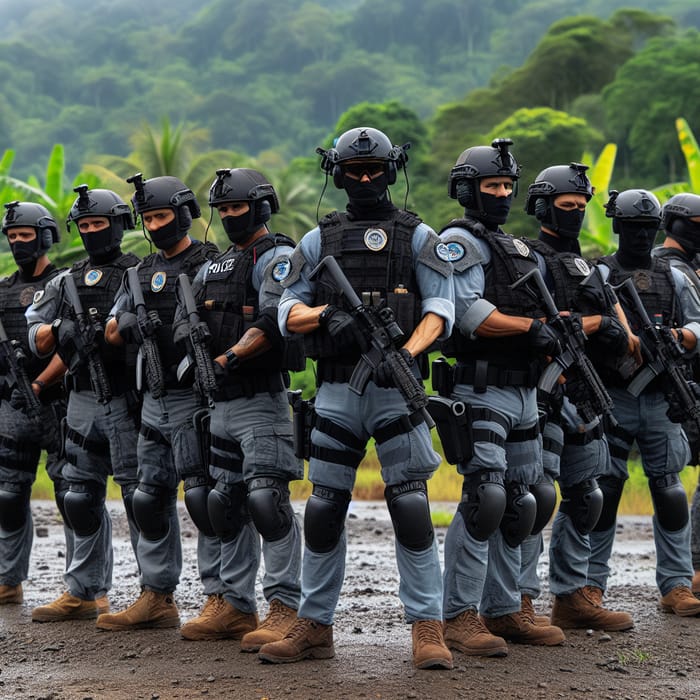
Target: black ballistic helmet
683,206
557,179
363,142
103,203
476,163
245,185
166,192
633,205
36,216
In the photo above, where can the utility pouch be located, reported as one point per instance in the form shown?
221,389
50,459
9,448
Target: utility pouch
201,420
443,377
453,421
302,423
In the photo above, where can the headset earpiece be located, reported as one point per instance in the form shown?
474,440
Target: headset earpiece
541,208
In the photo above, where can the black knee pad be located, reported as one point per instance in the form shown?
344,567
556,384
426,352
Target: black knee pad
228,513
583,503
611,487
128,500
324,518
60,489
152,509
410,514
269,506
483,503
520,513
197,490
670,501
14,508
546,496
84,504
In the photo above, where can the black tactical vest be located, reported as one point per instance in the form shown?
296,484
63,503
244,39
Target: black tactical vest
97,286
377,259
158,277
511,258
231,305
16,295
676,258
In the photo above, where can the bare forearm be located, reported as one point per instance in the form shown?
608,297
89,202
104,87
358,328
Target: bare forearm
427,331
498,325
253,342
303,319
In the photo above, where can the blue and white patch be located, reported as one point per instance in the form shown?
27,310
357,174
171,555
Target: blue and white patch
281,269
38,296
443,252
456,251
92,277
376,239
158,281
582,265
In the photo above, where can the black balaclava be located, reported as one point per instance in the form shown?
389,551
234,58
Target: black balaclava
568,223
496,209
99,245
687,233
636,242
26,253
167,236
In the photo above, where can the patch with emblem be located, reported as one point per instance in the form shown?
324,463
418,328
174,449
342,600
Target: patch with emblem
642,280
92,277
443,252
281,269
582,265
521,247
26,296
38,296
455,251
158,281
375,239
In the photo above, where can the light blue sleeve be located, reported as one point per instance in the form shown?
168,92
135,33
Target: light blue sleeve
44,309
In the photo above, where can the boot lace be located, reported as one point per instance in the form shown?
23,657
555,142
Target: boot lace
429,632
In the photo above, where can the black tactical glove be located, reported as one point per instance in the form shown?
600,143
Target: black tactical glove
382,375
67,334
128,327
613,335
544,339
17,401
341,325
221,373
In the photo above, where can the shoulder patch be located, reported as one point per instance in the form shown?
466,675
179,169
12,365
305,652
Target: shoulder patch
464,252
281,269
38,296
296,265
435,255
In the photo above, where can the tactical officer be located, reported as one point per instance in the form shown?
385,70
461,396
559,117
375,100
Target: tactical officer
500,345
389,257
26,429
168,446
100,434
576,452
680,221
252,456
642,411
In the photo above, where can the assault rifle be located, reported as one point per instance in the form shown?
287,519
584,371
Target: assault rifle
666,359
590,397
148,356
199,338
13,356
89,328
382,334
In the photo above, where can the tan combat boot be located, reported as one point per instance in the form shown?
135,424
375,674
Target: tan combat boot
528,607
218,620
520,628
151,610
429,650
583,609
696,583
10,595
274,627
467,633
306,640
102,604
680,601
67,607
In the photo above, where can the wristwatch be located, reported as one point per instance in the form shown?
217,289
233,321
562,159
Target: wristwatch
232,360
681,335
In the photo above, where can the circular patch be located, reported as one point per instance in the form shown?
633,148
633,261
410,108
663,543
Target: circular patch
582,265
158,281
521,247
92,277
38,296
456,251
642,280
281,270
375,239
443,252
26,296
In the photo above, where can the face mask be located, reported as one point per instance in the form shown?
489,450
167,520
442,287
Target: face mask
636,241
366,193
687,233
166,236
239,228
568,223
496,208
97,241
25,254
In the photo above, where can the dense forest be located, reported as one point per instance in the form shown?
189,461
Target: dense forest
186,87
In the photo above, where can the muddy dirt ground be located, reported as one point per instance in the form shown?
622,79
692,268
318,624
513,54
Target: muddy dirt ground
660,658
